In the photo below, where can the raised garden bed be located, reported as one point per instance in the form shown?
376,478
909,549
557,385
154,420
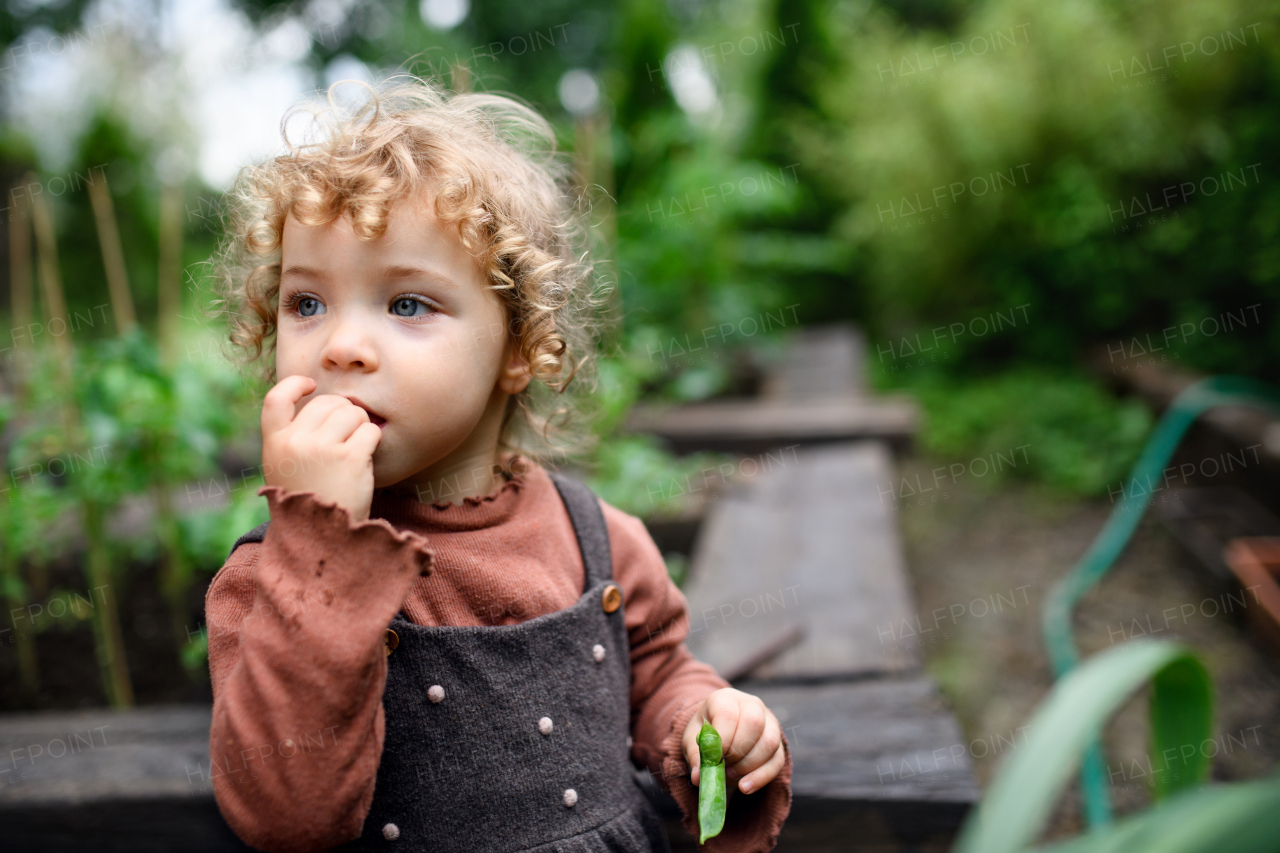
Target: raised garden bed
1255,561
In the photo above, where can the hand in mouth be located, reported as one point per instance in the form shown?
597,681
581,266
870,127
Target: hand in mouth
374,417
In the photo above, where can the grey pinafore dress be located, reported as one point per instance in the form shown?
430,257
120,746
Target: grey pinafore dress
511,738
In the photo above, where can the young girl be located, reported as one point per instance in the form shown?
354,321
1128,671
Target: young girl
434,643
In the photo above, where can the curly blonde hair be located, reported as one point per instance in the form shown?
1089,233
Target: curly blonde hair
494,171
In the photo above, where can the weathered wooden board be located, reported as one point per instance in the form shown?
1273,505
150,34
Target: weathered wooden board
877,765
879,739
813,392
112,781
1159,384
812,543
754,426
819,361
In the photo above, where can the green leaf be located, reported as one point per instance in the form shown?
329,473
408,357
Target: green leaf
1019,801
1181,721
1241,818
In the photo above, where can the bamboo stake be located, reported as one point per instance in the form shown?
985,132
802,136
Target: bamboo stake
584,155
28,663
460,77
110,645
112,254
20,294
175,581
106,620
51,285
22,315
169,273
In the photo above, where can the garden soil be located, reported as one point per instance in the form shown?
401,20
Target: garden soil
983,557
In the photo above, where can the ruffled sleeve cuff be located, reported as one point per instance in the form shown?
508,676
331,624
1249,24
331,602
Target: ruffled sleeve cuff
752,821
322,571
309,515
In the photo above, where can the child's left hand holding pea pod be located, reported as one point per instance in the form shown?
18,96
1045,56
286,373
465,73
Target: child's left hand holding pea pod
750,736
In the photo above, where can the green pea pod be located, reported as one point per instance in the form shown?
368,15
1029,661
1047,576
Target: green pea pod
712,797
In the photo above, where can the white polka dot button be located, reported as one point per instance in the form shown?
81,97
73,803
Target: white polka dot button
435,693
630,741
391,832
544,725
597,652
570,796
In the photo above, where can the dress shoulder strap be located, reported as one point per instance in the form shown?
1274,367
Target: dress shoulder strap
257,534
589,526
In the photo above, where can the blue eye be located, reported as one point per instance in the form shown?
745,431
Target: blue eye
407,306
304,305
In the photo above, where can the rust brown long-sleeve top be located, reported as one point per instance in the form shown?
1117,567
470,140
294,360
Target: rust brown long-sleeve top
297,657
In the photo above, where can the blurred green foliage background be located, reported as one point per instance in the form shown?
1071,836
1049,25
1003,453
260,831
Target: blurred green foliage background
907,165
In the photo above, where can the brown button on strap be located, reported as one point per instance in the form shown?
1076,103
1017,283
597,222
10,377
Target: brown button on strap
392,639
612,598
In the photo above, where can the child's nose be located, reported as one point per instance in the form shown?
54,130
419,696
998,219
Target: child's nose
350,346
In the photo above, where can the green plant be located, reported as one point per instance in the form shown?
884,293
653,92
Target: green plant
26,512
121,424
1111,539
1075,437
163,426
1189,818
636,473
987,155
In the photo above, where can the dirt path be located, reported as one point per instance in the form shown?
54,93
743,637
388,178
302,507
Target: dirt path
981,563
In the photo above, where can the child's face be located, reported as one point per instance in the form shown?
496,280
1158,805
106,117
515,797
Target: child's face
405,326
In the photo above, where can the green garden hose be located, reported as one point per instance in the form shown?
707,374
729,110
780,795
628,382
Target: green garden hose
1114,536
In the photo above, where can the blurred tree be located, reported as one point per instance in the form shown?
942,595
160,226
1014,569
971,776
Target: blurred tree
1105,164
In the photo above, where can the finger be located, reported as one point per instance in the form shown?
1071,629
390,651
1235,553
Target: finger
763,749
749,724
340,423
724,712
690,746
317,409
758,778
365,439
280,403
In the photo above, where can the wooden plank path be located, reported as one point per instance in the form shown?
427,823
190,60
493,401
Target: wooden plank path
808,545
798,590
103,780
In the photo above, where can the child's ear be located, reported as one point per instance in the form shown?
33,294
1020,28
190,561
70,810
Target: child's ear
515,375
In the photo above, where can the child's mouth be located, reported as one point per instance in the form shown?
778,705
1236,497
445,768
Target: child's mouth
374,417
